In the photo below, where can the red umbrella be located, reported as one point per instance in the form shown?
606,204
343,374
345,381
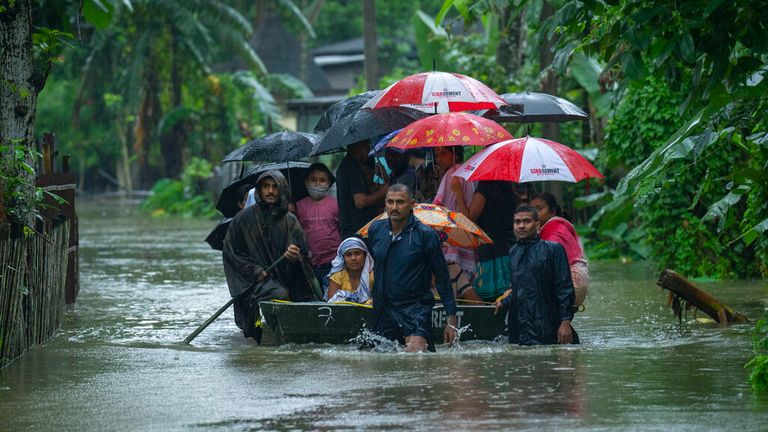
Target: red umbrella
449,129
526,160
438,92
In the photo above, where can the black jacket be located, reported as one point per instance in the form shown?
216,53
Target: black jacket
404,267
542,292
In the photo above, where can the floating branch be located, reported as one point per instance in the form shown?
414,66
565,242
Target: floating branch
683,295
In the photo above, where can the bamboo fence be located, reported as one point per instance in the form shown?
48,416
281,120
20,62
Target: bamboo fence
32,289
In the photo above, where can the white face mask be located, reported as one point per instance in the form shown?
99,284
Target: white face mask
317,192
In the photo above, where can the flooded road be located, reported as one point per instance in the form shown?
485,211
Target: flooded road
146,284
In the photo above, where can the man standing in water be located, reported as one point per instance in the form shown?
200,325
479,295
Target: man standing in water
540,300
407,254
256,238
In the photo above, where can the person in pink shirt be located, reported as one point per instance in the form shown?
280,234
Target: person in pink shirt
556,228
318,215
461,261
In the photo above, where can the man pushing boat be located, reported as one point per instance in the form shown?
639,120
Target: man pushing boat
257,237
407,254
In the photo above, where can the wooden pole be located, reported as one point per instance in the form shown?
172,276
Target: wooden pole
226,306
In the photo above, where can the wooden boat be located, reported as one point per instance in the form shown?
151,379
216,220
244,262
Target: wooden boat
329,323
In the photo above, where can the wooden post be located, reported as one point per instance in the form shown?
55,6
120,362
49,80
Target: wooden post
49,147
63,185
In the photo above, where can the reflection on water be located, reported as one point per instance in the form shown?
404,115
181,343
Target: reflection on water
146,284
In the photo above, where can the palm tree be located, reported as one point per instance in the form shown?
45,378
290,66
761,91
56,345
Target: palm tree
155,52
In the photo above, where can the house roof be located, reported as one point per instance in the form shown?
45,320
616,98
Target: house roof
345,47
280,51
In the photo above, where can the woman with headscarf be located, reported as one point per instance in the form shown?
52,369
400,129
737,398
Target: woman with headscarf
351,276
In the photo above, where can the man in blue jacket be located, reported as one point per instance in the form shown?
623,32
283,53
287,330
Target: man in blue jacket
407,254
539,301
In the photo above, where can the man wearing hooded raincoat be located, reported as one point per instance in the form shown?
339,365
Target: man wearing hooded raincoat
257,237
540,301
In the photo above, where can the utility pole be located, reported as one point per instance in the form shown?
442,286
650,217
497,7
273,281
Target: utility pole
370,45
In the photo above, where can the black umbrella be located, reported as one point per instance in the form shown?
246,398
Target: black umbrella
278,147
293,171
529,107
342,109
216,237
365,124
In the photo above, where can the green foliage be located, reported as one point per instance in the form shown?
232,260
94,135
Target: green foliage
697,186
185,197
646,116
758,365
17,178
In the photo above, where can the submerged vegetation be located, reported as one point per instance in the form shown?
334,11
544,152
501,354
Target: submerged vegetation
758,365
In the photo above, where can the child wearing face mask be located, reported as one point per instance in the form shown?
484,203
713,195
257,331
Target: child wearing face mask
318,214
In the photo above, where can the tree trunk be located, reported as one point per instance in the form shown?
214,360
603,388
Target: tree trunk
20,85
510,51
145,126
371,45
172,142
549,85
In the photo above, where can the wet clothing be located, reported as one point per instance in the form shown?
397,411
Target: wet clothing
492,277
560,230
257,237
352,294
542,292
340,275
351,181
414,320
402,292
446,198
320,221
407,177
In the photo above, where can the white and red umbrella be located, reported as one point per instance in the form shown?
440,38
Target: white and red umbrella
525,160
438,92
449,129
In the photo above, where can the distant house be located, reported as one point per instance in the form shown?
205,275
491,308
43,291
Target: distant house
342,62
280,51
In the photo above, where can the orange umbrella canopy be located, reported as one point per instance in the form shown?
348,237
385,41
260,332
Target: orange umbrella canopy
452,227
450,129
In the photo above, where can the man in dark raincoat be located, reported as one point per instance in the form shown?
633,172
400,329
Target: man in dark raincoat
407,254
540,300
256,238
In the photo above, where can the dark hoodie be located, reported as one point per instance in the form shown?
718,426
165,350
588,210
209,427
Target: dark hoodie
257,237
404,267
542,292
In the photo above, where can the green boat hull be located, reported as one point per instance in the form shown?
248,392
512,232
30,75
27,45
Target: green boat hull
327,323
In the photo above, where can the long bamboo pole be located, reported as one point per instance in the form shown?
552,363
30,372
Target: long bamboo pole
226,306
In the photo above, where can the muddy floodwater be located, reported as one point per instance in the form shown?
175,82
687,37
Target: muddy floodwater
117,365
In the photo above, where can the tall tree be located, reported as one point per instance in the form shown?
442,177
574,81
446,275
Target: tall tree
24,68
371,45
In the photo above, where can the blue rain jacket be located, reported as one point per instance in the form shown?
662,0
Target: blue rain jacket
404,266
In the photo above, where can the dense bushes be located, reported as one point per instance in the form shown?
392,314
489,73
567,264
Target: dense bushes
186,197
